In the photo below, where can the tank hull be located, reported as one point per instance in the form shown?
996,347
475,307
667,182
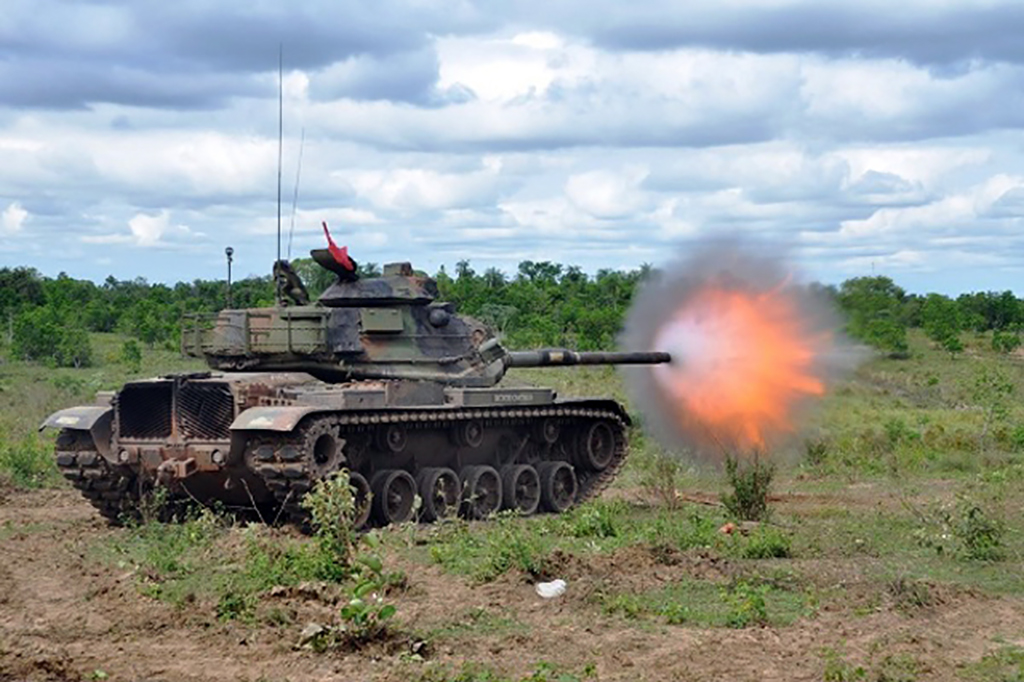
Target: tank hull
259,442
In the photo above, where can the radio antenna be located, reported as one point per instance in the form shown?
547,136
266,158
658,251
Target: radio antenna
280,146
295,195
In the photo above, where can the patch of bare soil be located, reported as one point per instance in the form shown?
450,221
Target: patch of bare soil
63,617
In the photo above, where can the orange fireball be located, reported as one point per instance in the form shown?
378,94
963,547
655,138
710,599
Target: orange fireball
742,362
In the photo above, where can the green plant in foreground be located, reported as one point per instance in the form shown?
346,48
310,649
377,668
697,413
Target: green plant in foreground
750,483
332,510
365,616
28,462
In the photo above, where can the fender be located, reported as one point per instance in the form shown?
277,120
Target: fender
284,418
96,419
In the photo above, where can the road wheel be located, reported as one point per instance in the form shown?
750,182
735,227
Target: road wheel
362,498
439,489
481,491
597,445
558,486
394,496
520,488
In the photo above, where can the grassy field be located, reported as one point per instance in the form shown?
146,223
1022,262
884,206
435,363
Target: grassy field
893,551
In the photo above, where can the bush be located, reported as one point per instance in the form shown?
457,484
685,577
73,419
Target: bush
767,543
597,519
28,463
1005,342
131,356
42,335
746,605
963,529
332,510
750,484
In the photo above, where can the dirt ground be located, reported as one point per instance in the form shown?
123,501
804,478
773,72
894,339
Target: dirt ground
65,616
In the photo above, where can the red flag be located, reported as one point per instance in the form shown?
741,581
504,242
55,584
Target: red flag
340,254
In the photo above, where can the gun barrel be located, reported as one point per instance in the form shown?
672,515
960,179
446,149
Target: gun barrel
560,356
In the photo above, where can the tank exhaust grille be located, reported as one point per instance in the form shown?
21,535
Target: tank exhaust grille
205,411
144,410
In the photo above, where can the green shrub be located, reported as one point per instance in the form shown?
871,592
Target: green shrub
1005,342
131,356
767,542
746,605
43,335
28,463
332,510
597,519
963,529
750,484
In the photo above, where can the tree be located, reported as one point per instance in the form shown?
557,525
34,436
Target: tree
874,307
131,356
942,322
43,335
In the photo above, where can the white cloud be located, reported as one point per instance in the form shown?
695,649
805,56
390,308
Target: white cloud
13,218
146,231
607,194
597,133
423,189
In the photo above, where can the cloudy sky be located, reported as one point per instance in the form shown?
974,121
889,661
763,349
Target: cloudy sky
140,138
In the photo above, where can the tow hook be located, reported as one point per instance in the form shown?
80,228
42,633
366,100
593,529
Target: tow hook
175,470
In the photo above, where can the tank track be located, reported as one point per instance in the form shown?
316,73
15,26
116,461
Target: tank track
111,490
289,475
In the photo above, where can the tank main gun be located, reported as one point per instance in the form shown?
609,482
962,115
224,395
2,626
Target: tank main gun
548,357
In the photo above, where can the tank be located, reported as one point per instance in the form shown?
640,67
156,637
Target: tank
377,377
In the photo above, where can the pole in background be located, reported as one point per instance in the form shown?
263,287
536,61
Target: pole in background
229,252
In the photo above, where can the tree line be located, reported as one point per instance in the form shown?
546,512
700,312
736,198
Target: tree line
541,304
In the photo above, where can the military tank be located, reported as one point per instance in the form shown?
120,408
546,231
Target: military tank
376,376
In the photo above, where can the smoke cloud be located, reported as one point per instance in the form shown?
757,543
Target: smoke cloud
753,349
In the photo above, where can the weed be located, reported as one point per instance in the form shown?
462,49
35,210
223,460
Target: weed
837,669
477,621
629,606
963,529
767,542
28,462
1003,665
659,477
506,543
476,672
817,449
750,485
666,533
676,613
909,595
332,509
991,391
365,617
746,605
597,519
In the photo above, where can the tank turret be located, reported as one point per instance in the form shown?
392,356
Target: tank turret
387,327
376,377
